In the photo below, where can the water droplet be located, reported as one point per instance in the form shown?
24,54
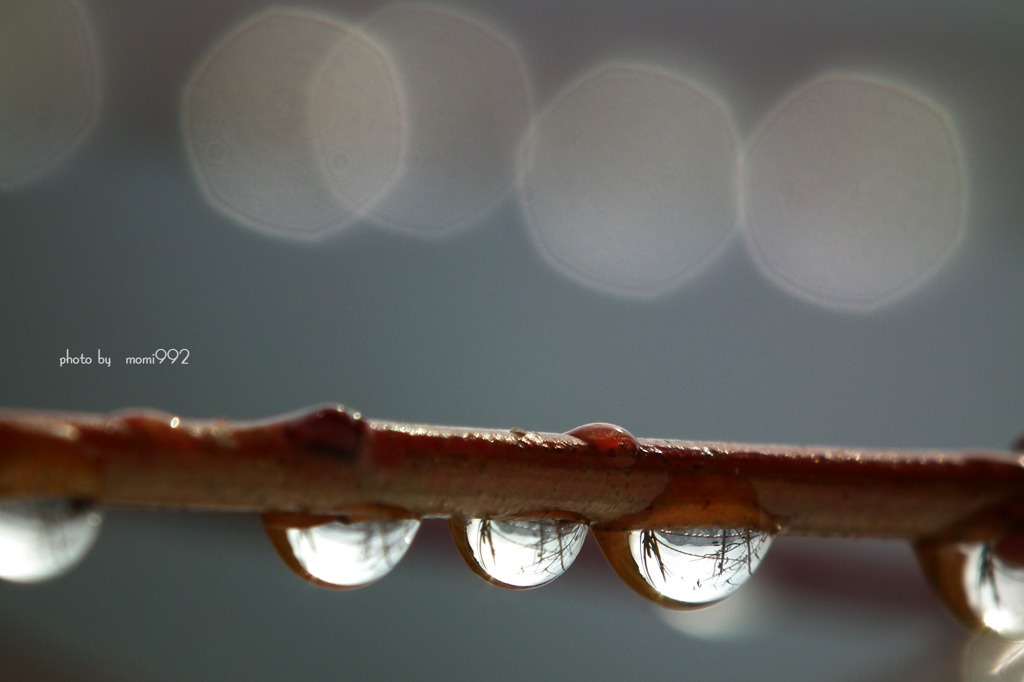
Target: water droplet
684,568
340,554
518,554
982,583
608,437
988,658
609,440
43,539
330,429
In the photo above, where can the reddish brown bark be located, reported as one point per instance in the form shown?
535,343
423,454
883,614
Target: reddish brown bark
330,461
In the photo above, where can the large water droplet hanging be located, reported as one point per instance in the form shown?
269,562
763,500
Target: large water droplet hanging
518,554
982,583
340,554
43,539
685,568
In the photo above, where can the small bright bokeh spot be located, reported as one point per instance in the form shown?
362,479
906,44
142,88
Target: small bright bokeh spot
294,124
629,179
855,191
49,86
467,106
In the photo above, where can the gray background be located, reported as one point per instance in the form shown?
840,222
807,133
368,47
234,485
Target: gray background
117,249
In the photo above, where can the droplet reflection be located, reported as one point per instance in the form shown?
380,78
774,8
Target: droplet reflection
43,539
987,658
518,554
344,555
980,586
685,568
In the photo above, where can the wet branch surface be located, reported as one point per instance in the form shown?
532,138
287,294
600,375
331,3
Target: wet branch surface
330,461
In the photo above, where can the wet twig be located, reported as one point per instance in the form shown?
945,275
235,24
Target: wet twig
333,462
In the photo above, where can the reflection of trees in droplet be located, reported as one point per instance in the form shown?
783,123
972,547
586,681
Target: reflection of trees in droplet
629,180
269,107
545,538
998,594
49,86
467,105
376,542
346,555
987,574
519,553
722,553
697,566
980,586
855,191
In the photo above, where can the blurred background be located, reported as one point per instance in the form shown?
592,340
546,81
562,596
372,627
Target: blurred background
786,222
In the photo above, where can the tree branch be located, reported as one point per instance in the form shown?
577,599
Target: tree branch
330,461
